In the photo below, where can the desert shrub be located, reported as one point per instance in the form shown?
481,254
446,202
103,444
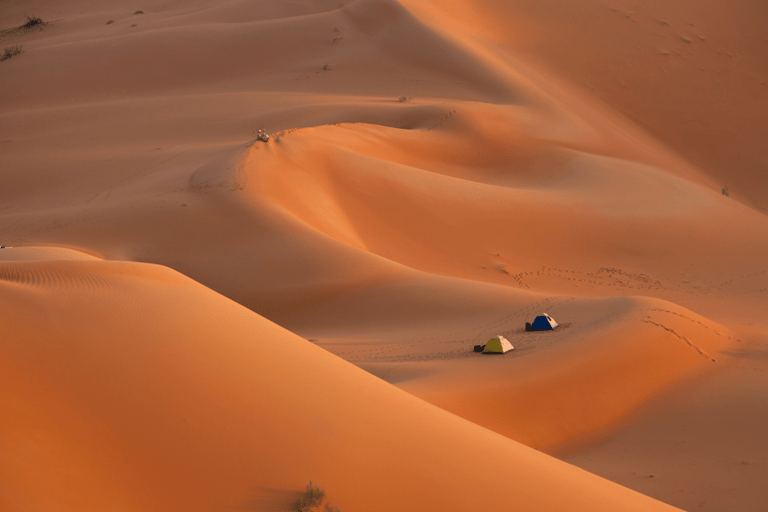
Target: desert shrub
9,52
726,192
139,12
33,21
403,99
110,22
331,508
310,498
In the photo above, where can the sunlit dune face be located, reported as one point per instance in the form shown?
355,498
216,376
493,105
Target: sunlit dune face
249,249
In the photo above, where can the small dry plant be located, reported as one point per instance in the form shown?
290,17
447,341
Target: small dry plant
310,498
11,51
33,21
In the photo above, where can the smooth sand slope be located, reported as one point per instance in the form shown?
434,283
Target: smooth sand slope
693,73
130,387
711,428
437,174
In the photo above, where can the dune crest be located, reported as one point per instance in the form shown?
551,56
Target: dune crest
44,253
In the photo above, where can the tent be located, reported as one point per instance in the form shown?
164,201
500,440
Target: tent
544,323
498,345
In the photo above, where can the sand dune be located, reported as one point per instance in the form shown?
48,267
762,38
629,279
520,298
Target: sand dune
139,389
693,74
438,173
563,388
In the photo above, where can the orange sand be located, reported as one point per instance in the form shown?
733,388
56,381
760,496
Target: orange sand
438,173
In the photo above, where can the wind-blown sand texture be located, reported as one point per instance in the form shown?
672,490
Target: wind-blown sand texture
193,319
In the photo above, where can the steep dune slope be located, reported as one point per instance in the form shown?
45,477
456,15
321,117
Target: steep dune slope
400,203
363,48
692,73
133,387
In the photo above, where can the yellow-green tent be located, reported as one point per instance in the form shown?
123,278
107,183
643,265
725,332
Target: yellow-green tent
498,345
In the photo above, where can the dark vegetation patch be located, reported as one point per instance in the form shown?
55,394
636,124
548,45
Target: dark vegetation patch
11,51
34,21
309,499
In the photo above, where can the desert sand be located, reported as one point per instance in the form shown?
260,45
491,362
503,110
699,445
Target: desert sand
195,319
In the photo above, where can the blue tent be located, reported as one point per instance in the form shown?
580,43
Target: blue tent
544,323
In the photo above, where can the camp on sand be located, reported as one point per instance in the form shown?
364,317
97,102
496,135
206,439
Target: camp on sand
498,345
542,322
